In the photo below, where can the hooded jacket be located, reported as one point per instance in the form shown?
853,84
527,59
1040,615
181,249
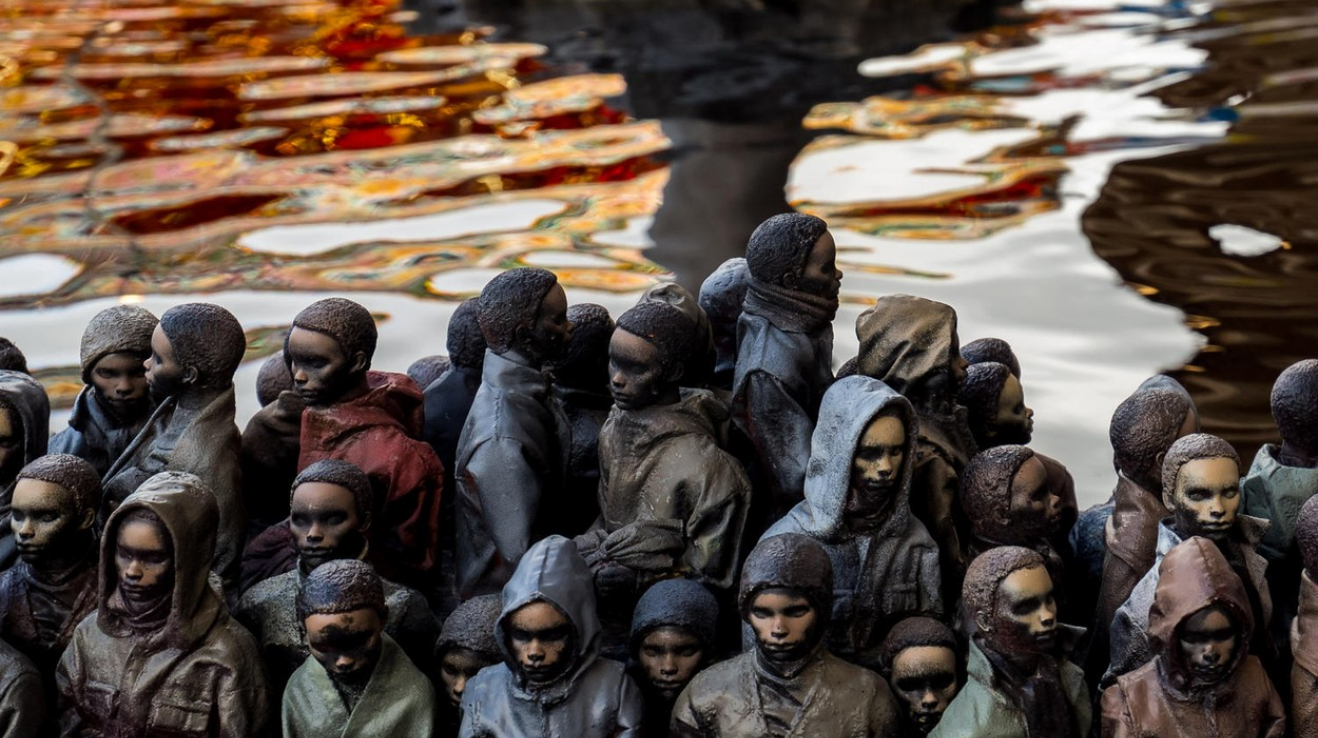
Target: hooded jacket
192,432
94,434
1132,538
510,465
28,399
398,701
880,575
199,674
1160,698
378,433
664,462
594,698
1129,632
906,342
1304,673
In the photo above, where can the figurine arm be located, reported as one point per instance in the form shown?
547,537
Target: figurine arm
631,710
22,706
1117,721
510,494
780,431
685,722
883,712
714,527
242,703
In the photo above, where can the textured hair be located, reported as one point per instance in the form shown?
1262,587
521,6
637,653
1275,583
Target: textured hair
676,603
664,327
585,362
341,586
700,364
427,369
206,337
1306,533
723,292
342,474
789,561
780,246
465,343
472,626
273,379
983,350
1295,404
348,323
986,489
119,329
979,591
915,632
1192,448
1143,426
11,357
981,392
70,473
849,368
510,301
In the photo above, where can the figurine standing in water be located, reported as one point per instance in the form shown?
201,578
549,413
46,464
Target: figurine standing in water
920,662
672,639
1202,682
466,645
114,405
1304,629
161,652
785,348
512,455
995,404
24,427
788,684
357,681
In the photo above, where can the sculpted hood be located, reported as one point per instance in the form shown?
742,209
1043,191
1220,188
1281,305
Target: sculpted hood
28,399
553,571
392,398
906,342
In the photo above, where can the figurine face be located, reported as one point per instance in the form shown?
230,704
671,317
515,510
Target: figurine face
144,561
550,334
457,666
44,515
636,375
1207,498
1026,617
347,644
784,624
1035,509
1014,422
924,678
671,657
11,446
120,380
324,523
1208,641
165,377
322,372
820,274
877,466
541,639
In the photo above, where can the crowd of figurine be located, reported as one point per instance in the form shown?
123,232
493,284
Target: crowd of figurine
679,523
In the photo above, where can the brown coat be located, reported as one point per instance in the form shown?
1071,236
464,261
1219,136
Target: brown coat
1132,538
1304,675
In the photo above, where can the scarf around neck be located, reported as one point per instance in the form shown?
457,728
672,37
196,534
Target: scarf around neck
793,311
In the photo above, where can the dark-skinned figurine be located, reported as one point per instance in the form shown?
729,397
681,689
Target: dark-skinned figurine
698,368
672,639
449,398
271,445
996,350
922,664
995,406
24,426
581,385
721,296
23,706
466,645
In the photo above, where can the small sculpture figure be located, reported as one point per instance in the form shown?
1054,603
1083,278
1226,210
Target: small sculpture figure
449,398
721,297
466,645
330,520
11,357
911,345
1201,486
114,405
857,506
551,681
1202,682
789,684
785,349
1304,628
427,369
357,681
161,653
1018,681
195,349
981,350
271,445
920,662
581,385
697,368
672,639
995,405
23,707
512,454
24,429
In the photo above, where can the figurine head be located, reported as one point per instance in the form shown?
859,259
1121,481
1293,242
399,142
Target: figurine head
1007,498
920,662
983,350
911,344
329,350
786,596
647,355
721,297
144,559
196,347
427,369
1306,534
341,607
330,513
524,312
549,628
54,508
672,634
795,251
995,402
700,364
1201,486
585,363
24,423
11,441
878,463
1143,427
467,644
11,357
465,343
540,636
1008,601
1295,410
273,379
115,346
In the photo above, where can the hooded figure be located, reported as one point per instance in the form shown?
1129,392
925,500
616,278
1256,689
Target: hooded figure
581,386
24,429
809,692
686,607
911,345
466,645
1168,696
181,666
271,445
100,427
885,566
590,697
